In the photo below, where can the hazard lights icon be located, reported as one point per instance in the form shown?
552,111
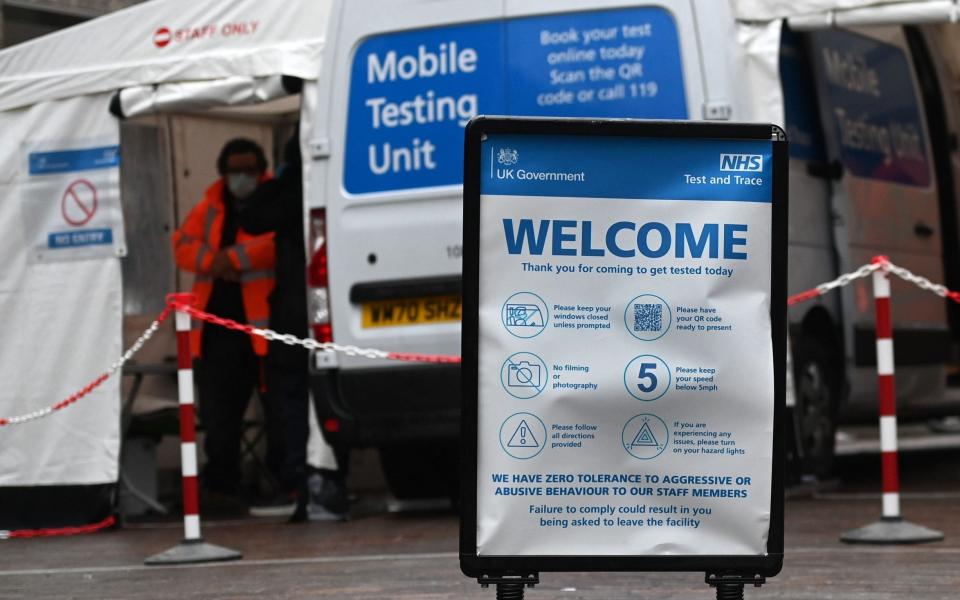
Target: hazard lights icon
162,37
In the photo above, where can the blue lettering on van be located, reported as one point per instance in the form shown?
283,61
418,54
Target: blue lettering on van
610,63
412,92
874,106
653,239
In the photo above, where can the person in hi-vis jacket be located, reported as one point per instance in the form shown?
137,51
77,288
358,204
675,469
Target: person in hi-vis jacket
233,279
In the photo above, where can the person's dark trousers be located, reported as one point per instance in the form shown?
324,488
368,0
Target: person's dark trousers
289,394
274,423
228,372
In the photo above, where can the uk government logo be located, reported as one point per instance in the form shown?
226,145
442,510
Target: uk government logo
508,156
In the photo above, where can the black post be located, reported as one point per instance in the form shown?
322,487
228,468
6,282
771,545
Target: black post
509,591
730,591
730,587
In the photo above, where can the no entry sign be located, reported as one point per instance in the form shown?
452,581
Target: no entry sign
624,347
79,202
70,201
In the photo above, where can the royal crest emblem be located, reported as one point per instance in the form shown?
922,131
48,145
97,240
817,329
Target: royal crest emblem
507,156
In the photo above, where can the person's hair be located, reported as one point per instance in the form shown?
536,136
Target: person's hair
241,146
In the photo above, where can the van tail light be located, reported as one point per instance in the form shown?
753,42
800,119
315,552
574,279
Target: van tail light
318,278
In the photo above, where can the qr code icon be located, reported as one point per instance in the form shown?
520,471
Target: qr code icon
647,317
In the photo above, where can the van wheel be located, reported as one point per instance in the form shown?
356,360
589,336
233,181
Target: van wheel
815,415
422,470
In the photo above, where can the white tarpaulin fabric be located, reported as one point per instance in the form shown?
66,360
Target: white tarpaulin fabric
768,10
61,321
165,41
199,95
906,13
760,45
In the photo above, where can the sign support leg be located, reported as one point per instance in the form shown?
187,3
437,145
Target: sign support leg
509,587
509,591
729,591
730,587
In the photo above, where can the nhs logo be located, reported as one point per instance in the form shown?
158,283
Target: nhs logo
741,162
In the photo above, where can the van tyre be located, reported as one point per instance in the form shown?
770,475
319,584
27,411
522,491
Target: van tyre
817,385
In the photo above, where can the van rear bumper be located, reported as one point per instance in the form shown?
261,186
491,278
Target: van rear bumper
913,347
381,406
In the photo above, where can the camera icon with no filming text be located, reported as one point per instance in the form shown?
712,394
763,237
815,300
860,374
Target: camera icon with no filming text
523,375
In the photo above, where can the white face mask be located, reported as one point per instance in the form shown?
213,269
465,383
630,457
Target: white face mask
241,185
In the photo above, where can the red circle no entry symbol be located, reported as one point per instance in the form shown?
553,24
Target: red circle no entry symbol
162,37
79,203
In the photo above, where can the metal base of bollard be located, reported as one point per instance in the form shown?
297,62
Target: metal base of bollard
193,551
891,531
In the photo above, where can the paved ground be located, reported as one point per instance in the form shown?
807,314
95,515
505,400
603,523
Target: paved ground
384,556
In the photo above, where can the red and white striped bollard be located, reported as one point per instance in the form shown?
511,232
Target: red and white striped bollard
192,549
891,529
889,461
188,431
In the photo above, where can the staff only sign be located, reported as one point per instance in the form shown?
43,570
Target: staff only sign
71,201
623,346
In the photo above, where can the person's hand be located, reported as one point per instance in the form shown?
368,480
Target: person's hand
222,268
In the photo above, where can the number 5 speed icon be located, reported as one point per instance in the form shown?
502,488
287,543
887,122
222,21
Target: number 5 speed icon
647,377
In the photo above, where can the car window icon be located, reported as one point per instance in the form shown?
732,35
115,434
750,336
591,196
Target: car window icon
524,315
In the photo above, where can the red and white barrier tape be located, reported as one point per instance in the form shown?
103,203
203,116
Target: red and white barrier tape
877,263
57,531
181,303
116,366
177,302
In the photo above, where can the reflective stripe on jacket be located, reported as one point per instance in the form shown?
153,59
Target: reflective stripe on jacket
197,241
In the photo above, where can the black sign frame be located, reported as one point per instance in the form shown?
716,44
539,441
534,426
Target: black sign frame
490,568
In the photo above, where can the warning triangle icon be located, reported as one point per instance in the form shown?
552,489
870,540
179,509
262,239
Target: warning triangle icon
645,437
523,437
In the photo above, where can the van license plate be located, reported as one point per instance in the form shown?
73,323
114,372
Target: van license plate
411,311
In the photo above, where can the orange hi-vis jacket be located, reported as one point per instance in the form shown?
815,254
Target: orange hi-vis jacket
197,241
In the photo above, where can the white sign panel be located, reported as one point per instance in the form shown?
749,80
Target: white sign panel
625,359
70,201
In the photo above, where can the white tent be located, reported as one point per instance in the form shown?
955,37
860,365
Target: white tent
62,229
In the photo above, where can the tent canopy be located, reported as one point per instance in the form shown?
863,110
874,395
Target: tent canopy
167,41
768,10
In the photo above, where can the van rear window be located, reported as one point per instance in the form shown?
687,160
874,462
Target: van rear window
412,92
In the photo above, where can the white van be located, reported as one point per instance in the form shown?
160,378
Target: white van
871,173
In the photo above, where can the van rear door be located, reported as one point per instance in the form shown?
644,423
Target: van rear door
885,202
